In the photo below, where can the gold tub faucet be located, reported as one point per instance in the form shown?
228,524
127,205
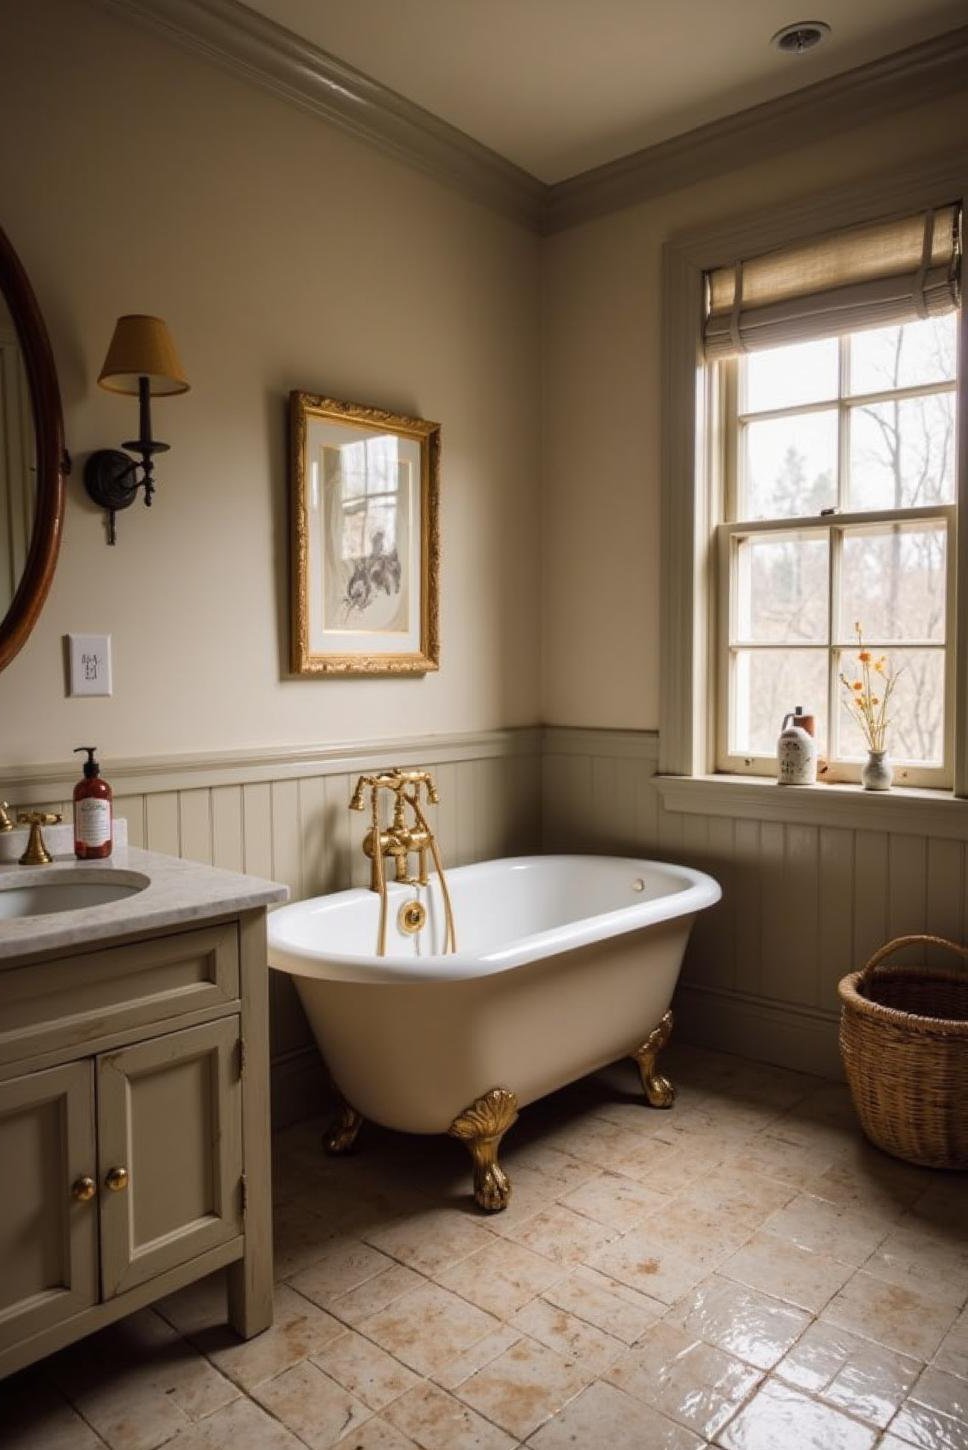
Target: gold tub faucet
400,840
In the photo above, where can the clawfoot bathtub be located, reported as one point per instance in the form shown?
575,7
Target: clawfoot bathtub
564,964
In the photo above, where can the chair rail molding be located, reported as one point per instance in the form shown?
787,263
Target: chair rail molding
240,40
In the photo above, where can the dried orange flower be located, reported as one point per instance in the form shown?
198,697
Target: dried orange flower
867,709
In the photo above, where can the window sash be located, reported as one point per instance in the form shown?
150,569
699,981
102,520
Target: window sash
833,527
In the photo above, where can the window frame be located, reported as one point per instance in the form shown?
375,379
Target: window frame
691,477
733,529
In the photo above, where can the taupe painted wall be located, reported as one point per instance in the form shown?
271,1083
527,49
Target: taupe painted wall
602,387
283,254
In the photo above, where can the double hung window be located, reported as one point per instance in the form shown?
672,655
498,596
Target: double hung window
837,465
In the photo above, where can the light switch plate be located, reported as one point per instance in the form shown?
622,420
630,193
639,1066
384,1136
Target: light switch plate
90,656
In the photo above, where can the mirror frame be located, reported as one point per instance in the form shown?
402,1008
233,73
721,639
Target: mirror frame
52,462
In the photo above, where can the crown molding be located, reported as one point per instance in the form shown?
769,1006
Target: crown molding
906,78
266,54
244,42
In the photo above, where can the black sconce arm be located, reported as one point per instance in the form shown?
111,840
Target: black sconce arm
111,477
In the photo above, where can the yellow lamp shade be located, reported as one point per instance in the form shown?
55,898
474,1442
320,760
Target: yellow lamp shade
142,348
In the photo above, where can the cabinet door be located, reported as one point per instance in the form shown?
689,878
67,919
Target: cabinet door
169,1151
48,1207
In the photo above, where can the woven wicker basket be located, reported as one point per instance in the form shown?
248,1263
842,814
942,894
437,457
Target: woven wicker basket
904,1042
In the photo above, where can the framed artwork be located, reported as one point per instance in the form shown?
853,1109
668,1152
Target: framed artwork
365,547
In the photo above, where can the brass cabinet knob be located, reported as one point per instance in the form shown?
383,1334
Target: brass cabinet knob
83,1189
116,1179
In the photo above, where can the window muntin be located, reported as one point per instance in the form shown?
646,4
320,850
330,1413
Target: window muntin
839,498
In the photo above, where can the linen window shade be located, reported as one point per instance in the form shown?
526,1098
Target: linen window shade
878,275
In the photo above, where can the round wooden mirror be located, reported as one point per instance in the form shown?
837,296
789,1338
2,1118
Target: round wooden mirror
32,458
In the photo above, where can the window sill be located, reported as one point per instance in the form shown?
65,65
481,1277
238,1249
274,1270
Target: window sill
917,812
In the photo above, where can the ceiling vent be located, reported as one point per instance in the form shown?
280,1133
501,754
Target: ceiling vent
800,37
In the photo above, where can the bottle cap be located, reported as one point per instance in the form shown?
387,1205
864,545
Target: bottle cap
91,767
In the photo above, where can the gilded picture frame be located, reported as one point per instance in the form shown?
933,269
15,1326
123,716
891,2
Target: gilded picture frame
365,565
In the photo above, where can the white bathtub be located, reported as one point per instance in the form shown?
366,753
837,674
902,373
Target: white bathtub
564,963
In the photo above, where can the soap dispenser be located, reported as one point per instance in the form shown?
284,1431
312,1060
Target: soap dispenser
93,814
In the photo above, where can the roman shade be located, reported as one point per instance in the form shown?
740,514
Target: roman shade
877,275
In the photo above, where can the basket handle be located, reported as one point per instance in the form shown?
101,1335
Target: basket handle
907,941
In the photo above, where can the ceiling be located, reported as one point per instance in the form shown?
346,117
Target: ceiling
559,86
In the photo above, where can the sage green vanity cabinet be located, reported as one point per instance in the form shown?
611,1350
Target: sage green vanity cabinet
48,1239
134,1135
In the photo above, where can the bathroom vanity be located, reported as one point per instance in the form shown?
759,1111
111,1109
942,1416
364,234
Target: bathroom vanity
134,1113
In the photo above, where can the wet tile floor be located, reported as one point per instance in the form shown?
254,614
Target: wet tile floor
742,1271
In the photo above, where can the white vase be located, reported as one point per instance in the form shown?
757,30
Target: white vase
877,773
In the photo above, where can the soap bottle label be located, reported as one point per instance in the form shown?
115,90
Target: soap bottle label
92,821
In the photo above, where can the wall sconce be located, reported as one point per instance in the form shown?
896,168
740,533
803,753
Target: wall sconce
142,361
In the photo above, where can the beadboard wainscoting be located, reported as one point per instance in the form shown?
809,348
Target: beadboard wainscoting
813,882
284,815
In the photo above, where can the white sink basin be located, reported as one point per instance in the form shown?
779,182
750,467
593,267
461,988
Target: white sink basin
66,891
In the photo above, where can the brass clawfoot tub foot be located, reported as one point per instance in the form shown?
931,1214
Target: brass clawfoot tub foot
481,1127
342,1132
658,1089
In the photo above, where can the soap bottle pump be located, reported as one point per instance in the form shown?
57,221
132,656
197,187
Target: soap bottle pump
93,814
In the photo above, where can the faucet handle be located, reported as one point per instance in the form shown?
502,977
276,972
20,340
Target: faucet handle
433,794
356,800
6,822
37,853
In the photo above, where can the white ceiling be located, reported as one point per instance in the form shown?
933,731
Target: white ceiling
559,86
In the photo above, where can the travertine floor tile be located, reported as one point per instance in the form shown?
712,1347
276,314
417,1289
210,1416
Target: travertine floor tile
952,1353
428,1327
375,1294
850,1235
562,1235
33,1416
431,1240
569,1336
298,1330
376,1434
619,1203
694,1383
647,1275
524,1386
502,1277
438,1421
909,1258
344,1265
778,1416
935,1414
659,1261
364,1369
243,1425
904,1319
471,1360
312,1405
786,1271
745,1323
603,1416
607,1305
741,1197
775,1154
865,1379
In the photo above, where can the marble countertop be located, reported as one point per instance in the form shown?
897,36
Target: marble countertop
179,893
